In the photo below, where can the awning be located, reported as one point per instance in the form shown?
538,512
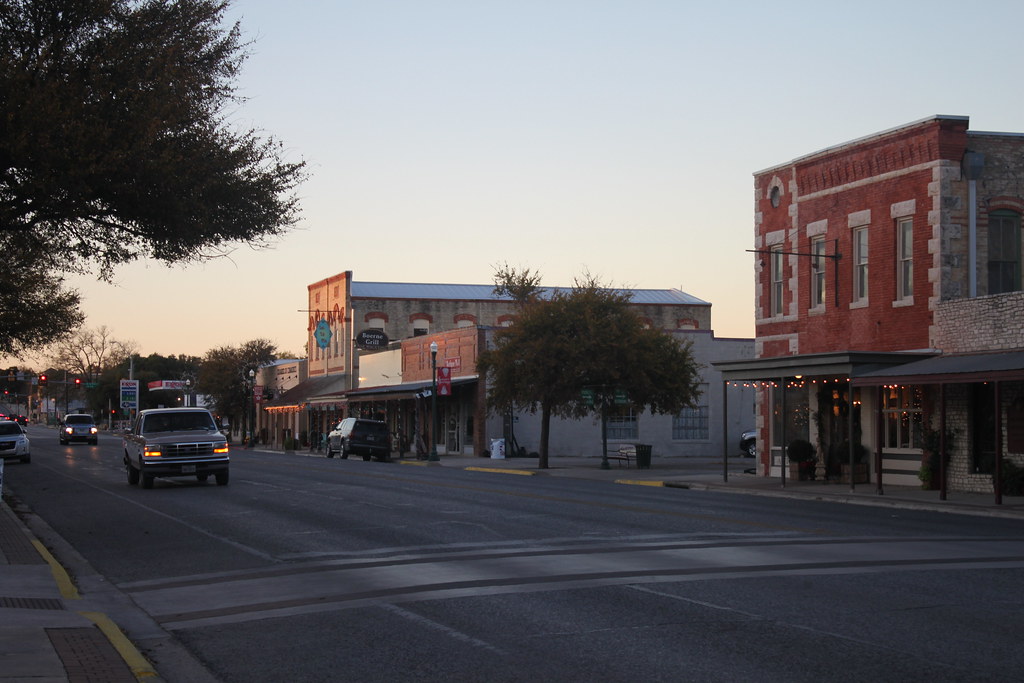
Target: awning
406,390
842,363
975,367
306,390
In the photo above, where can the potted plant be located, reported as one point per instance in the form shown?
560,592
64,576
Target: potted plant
801,459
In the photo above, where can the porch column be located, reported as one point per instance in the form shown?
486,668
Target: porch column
725,431
998,482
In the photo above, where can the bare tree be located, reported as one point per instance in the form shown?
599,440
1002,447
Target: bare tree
90,351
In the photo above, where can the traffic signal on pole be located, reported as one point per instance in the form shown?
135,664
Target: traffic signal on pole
42,380
78,380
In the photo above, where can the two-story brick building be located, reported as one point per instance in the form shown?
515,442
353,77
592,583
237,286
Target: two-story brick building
889,305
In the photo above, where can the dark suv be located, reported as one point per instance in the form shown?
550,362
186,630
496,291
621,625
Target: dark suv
369,438
78,428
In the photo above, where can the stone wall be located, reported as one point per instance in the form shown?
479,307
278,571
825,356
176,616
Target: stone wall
986,323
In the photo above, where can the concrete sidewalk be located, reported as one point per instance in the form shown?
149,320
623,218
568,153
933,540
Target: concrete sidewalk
50,632
709,474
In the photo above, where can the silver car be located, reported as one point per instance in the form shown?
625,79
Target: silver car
14,441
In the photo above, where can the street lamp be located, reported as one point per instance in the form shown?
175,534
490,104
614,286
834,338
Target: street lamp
188,389
433,402
252,423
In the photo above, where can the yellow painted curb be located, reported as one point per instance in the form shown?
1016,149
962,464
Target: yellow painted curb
526,473
60,575
640,482
140,666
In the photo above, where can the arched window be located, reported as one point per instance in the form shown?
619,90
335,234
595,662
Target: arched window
1003,252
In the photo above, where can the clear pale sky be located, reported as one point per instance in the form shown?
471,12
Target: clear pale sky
614,137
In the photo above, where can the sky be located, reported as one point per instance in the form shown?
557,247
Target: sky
616,138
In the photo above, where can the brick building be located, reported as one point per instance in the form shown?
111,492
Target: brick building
889,305
390,382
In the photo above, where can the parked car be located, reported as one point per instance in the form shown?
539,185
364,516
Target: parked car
78,427
14,442
748,443
369,438
22,420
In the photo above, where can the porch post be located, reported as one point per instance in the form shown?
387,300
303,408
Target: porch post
998,482
782,434
725,431
849,433
879,437
942,441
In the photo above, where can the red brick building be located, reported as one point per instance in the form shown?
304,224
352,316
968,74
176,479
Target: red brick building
871,255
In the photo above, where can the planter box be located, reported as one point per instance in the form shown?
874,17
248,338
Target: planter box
801,471
860,473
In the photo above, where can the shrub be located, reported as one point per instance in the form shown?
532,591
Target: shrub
1013,478
800,450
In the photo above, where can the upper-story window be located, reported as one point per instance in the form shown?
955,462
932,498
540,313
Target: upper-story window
818,272
905,256
777,288
1003,252
860,264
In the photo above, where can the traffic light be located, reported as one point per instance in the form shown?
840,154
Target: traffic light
42,380
78,381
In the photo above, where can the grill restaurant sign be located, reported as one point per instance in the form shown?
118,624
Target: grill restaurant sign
372,340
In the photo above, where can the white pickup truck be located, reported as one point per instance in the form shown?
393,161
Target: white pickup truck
175,442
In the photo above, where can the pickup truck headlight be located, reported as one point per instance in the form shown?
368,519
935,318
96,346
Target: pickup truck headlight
93,430
220,448
68,430
152,452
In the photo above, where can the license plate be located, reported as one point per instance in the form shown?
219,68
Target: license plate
188,469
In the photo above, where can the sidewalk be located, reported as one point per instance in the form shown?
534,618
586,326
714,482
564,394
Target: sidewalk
51,633
707,474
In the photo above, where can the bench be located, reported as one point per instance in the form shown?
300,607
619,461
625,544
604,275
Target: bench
626,453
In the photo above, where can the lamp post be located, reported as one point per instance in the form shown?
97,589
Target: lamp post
433,403
188,391
252,422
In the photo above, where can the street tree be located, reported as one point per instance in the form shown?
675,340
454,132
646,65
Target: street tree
563,341
116,145
35,309
224,378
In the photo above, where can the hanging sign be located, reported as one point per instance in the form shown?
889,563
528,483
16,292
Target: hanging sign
372,340
444,381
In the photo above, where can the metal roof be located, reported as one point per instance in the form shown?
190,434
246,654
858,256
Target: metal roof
453,292
975,367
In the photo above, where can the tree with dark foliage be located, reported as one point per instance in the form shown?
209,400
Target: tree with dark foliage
114,146
586,337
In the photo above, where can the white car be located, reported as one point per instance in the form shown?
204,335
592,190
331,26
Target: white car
14,442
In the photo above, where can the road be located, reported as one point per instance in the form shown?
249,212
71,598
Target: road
308,569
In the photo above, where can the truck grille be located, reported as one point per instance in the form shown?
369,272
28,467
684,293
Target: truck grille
187,450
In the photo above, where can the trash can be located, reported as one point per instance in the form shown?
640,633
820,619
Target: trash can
643,456
498,449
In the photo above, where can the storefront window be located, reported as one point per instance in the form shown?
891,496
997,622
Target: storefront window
901,409
796,416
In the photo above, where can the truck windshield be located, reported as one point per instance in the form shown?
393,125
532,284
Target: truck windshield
178,422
